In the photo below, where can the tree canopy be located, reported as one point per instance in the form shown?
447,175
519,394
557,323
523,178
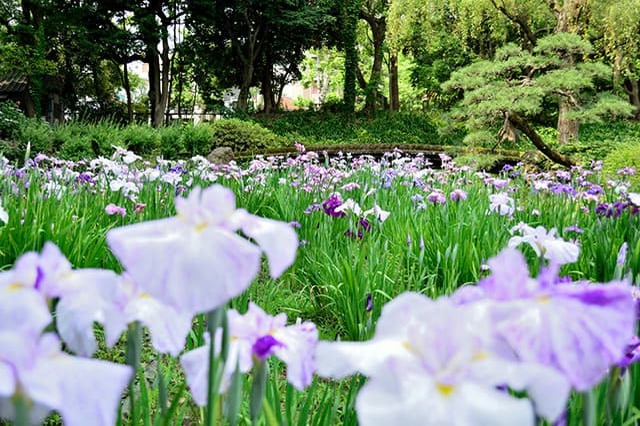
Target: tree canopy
501,62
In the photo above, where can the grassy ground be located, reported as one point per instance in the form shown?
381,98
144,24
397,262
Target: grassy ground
423,246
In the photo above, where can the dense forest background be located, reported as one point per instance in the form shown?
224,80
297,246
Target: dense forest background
507,64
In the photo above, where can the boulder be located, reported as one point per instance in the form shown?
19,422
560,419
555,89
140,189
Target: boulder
221,155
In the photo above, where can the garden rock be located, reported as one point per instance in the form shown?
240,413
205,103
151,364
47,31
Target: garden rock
221,155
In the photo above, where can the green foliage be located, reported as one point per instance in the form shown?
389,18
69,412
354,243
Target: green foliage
624,156
198,139
77,148
323,128
240,136
323,67
172,142
485,162
141,139
598,140
519,82
36,133
11,120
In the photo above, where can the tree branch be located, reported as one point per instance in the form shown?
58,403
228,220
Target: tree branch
519,20
521,124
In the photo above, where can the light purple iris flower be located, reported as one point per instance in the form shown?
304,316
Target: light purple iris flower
502,204
435,362
4,216
458,195
437,197
581,329
545,243
253,337
115,301
196,261
33,366
112,209
94,295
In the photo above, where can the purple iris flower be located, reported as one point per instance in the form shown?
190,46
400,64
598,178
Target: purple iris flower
581,329
331,204
112,209
437,197
368,306
611,210
255,336
563,189
632,354
179,168
85,178
263,347
458,195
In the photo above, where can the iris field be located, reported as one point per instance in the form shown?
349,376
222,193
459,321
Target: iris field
316,290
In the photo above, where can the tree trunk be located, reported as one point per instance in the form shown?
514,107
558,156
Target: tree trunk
243,98
268,96
568,129
267,84
127,91
522,125
166,74
394,94
350,12
378,27
632,87
567,16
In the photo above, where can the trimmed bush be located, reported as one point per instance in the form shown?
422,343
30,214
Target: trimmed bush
77,148
324,128
172,142
141,139
241,136
40,134
198,140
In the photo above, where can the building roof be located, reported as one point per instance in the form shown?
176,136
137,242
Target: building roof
13,83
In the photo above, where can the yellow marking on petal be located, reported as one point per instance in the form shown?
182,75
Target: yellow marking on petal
543,299
144,296
445,390
14,286
480,356
200,227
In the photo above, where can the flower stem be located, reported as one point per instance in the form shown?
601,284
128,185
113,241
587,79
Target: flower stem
214,318
258,389
162,388
132,357
21,405
589,409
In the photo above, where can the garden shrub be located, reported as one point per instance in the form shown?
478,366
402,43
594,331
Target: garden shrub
77,148
198,139
141,139
624,156
39,134
241,136
596,141
103,136
484,162
11,120
172,142
325,128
